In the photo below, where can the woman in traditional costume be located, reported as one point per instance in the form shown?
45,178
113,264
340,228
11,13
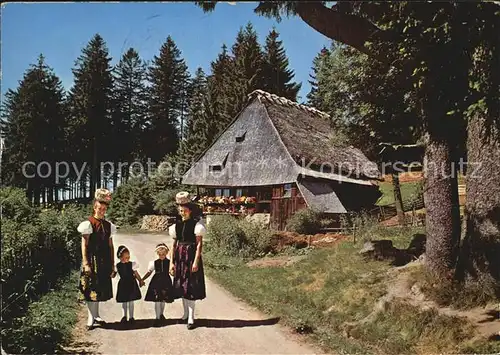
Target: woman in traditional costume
98,258
186,265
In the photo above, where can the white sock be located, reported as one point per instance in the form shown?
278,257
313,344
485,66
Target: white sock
90,308
157,309
131,309
191,304
96,312
124,306
186,312
162,307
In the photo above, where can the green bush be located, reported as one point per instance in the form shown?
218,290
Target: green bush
47,324
226,235
257,238
232,236
305,221
38,248
15,205
130,202
165,202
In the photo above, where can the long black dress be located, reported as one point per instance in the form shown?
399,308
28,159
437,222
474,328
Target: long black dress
128,287
97,286
160,288
187,284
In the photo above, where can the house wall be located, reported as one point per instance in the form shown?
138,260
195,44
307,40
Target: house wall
281,201
286,200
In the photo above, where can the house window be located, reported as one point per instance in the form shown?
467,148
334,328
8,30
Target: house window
239,192
215,168
218,167
240,137
218,192
227,192
287,190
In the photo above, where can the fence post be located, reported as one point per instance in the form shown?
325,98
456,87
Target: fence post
354,233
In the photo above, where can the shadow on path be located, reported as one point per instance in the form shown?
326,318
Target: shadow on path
200,323
233,323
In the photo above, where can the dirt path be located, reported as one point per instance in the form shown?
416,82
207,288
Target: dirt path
225,324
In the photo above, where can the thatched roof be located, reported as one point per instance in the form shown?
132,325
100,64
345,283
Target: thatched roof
279,140
307,135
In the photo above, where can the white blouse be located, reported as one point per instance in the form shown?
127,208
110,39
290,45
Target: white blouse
86,228
199,230
135,266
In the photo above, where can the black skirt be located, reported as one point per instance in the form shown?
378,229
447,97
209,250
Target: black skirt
160,288
128,286
96,286
188,284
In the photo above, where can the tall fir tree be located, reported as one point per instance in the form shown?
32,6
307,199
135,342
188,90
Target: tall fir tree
130,110
169,79
247,73
277,76
314,96
91,103
33,123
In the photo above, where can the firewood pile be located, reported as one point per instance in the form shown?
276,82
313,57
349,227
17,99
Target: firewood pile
156,222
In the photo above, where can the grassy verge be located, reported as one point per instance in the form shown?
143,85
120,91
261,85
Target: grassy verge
330,295
408,189
48,323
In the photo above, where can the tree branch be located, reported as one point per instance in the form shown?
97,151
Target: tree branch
351,30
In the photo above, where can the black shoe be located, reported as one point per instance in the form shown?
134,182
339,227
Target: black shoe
90,327
123,320
190,326
162,318
131,320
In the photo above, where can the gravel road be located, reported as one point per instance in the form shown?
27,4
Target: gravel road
225,325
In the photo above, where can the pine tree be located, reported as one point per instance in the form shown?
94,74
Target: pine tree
129,109
314,97
247,73
91,106
169,79
277,75
33,119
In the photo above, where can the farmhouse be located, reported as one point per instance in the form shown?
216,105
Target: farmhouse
277,157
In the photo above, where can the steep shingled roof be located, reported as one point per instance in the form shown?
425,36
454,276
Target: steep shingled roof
307,135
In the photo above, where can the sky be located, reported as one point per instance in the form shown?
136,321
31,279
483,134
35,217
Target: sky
59,31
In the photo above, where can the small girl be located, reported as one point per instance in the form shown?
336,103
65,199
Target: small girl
128,290
160,288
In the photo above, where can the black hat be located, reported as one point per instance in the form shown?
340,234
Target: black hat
121,250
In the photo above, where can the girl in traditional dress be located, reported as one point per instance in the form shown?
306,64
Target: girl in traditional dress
186,263
160,290
98,258
128,290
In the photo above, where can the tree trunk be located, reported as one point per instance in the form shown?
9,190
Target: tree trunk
93,173
480,253
442,208
115,175
398,200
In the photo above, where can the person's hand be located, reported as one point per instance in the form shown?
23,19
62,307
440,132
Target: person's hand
172,269
141,283
194,268
113,273
86,269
